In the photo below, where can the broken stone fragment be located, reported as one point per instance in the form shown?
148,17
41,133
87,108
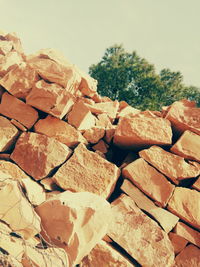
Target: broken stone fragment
104,255
16,109
188,146
87,171
50,98
5,47
19,80
140,130
9,61
196,185
49,184
75,222
94,134
189,256
60,130
101,146
81,117
110,132
188,233
103,121
185,203
149,180
139,235
173,166
16,42
12,170
127,111
44,154
8,134
88,85
184,116
18,212
178,242
165,218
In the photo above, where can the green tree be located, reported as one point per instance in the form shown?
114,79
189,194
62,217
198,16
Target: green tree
126,76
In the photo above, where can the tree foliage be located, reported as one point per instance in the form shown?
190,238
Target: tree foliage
126,76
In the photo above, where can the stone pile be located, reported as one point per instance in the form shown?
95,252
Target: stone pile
90,181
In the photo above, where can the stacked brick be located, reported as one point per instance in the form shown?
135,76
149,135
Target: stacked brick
90,181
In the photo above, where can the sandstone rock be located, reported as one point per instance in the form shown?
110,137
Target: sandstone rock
19,80
127,111
18,125
17,212
178,242
50,98
53,71
34,192
122,104
16,109
109,108
196,185
184,116
94,134
166,219
49,184
81,117
87,171
12,170
8,134
190,256
88,85
136,131
110,132
188,233
16,43
51,257
139,235
60,130
188,146
130,157
44,154
149,180
5,47
9,61
104,255
8,260
185,203
173,166
101,146
103,121
75,222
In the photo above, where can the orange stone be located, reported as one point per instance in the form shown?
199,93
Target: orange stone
188,146
173,166
5,47
9,61
88,85
149,180
94,134
140,130
87,171
139,235
190,256
60,130
19,80
16,109
12,170
50,98
16,42
178,242
101,146
103,121
184,116
44,154
185,203
127,111
196,185
18,125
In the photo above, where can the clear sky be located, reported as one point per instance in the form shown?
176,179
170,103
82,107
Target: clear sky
165,32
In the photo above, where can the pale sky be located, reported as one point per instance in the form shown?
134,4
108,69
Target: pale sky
165,32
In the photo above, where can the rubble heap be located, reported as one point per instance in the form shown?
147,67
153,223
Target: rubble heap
90,181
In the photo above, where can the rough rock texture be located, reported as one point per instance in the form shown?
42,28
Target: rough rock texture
15,109
101,146
149,180
188,146
8,134
44,154
12,170
5,47
185,203
9,61
173,166
104,255
140,236
178,242
166,219
81,117
188,233
190,256
88,85
140,130
184,116
82,220
17,212
127,111
87,171
50,98
19,80
60,130
94,134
